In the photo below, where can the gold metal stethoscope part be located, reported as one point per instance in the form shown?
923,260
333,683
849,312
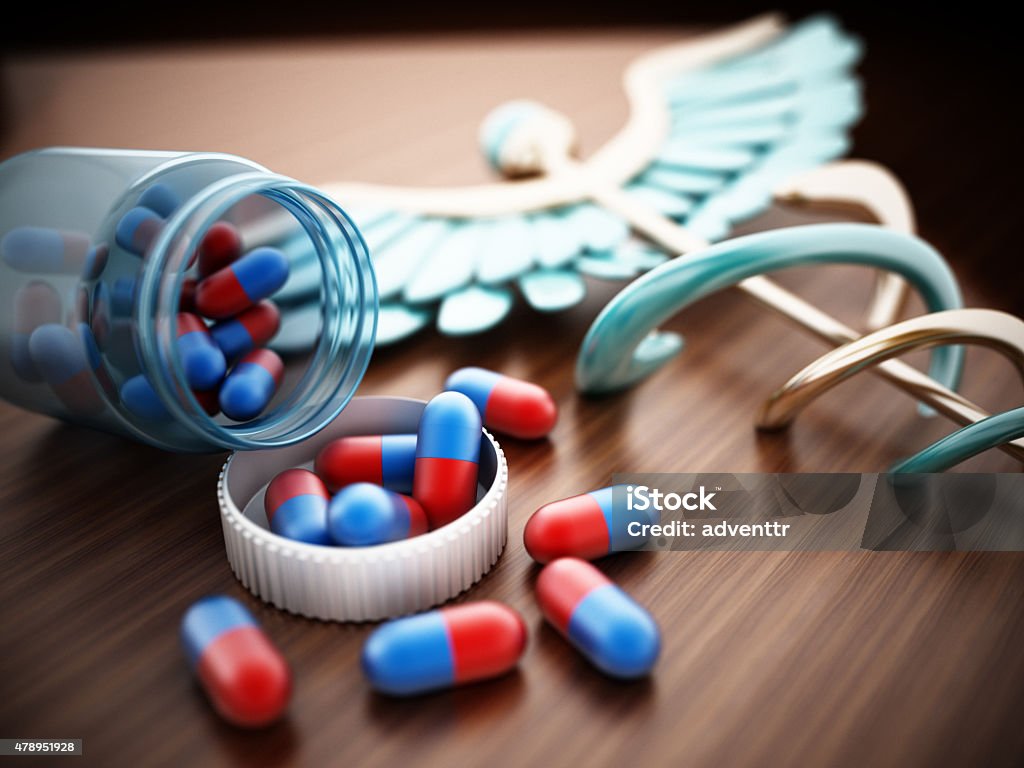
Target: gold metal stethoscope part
868,188
985,327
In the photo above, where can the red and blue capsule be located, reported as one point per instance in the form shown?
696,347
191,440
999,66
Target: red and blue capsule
587,526
200,356
137,229
141,399
160,199
220,247
36,303
45,251
95,261
251,385
246,282
385,460
364,515
602,622
444,648
243,674
296,506
447,454
61,358
247,331
508,405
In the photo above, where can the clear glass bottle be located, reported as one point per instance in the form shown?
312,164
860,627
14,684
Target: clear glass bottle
109,308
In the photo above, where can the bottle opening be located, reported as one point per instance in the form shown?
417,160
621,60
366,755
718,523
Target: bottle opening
240,314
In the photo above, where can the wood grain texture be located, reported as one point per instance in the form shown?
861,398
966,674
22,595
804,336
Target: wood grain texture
770,658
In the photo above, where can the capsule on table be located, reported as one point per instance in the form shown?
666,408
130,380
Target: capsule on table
602,622
200,357
220,247
296,506
447,452
245,332
506,404
160,199
43,250
244,675
237,287
386,460
60,358
444,648
586,526
364,514
137,229
36,303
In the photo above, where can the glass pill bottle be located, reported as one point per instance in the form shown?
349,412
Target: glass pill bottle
124,273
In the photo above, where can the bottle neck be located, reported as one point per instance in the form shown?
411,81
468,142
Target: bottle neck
347,298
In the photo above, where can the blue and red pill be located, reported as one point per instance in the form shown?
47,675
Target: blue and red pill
607,626
508,405
136,230
385,460
201,358
242,284
139,226
36,304
444,648
447,457
244,675
296,505
587,526
42,250
251,385
64,361
364,515
249,330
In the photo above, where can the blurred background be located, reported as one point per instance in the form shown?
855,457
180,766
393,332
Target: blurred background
940,81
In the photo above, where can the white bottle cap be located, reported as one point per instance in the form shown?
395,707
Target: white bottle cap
359,583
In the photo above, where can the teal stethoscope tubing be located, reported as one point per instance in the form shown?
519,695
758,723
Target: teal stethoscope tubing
964,443
620,349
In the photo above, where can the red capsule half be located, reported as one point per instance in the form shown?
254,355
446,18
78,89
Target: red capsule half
220,247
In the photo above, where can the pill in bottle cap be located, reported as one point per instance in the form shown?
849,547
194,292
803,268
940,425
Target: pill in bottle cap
359,583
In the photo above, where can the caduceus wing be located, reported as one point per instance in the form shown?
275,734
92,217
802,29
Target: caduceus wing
716,124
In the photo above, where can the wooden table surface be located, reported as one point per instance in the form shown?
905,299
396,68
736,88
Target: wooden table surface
769,658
